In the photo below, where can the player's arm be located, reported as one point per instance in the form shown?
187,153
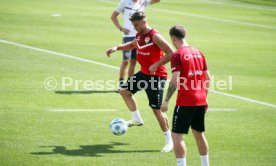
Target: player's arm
114,18
126,46
172,87
165,47
206,75
154,1
206,80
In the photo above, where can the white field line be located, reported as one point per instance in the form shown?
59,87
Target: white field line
222,109
205,17
244,98
82,110
257,7
117,68
221,2
216,19
56,15
59,54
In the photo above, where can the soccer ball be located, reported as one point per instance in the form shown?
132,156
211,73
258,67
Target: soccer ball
118,126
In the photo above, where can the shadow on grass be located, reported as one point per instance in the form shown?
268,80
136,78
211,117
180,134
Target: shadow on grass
85,92
90,150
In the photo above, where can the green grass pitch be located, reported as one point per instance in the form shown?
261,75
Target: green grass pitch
237,36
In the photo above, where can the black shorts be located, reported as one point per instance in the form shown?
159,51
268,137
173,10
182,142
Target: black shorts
153,85
186,116
129,54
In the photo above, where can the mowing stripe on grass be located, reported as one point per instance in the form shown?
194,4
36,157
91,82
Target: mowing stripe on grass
117,68
205,17
82,110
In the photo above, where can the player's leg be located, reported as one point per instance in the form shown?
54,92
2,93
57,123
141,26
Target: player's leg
122,74
163,123
125,62
201,142
179,149
154,92
131,69
198,128
132,106
129,99
127,90
155,96
162,119
202,146
182,118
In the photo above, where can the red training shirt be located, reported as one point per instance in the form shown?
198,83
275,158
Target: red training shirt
191,64
149,53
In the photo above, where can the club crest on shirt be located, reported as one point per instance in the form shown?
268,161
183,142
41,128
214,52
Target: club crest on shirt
147,39
138,38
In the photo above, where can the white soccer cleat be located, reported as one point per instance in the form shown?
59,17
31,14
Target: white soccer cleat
133,122
168,147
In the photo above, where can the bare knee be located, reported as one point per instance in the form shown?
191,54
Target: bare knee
198,134
179,145
125,62
159,114
156,112
125,93
177,138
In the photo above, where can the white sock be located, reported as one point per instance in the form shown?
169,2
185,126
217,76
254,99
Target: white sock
204,160
181,161
136,115
168,136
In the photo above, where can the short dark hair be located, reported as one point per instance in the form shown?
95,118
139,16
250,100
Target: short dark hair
137,16
178,31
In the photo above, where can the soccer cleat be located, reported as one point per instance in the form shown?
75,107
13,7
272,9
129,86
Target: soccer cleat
133,122
168,147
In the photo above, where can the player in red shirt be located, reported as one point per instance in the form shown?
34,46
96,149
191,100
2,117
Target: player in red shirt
152,76
191,77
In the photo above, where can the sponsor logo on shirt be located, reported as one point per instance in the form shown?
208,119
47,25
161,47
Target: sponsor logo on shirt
192,73
144,53
191,56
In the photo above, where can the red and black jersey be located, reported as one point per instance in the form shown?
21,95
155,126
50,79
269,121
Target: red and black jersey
149,53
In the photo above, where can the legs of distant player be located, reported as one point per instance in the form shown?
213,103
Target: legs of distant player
179,149
131,68
123,71
202,146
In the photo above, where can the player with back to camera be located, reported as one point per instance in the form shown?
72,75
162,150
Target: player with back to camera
127,8
152,76
191,77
